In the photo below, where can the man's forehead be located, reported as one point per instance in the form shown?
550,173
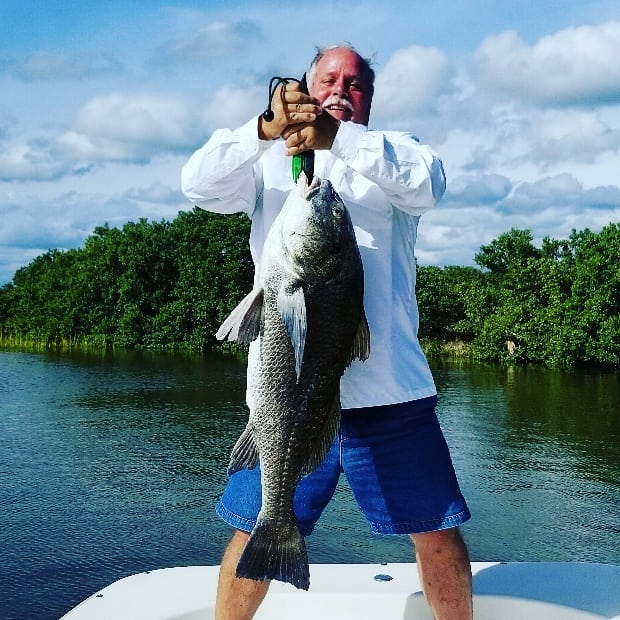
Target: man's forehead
335,60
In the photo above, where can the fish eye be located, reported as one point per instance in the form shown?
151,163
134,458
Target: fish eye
337,211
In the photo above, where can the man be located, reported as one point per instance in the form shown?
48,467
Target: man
390,446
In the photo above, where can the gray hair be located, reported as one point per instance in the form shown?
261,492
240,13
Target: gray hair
321,51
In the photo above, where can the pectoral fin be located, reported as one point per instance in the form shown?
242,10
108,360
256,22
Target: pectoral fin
292,309
361,343
244,322
245,452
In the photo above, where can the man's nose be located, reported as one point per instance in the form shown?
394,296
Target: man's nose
340,88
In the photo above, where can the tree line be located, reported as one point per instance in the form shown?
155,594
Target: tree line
558,305
168,286
150,285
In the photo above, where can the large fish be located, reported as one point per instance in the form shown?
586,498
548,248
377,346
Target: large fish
306,313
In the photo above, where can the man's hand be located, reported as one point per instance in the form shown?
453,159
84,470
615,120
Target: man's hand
316,135
289,106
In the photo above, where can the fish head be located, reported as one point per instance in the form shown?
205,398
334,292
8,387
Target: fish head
317,232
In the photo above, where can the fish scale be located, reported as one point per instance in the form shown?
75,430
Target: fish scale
305,321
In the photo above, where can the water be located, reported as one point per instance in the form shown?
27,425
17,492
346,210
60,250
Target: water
111,465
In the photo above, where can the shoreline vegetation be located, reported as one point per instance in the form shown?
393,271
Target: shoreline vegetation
456,349
167,286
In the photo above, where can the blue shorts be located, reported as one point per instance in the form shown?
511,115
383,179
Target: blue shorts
396,461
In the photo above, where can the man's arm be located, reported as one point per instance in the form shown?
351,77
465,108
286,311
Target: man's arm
222,176
410,174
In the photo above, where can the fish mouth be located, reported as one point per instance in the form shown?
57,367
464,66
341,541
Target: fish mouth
304,235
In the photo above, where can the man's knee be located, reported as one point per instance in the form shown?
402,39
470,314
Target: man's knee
239,537
438,541
236,544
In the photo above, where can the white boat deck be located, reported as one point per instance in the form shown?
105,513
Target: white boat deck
505,591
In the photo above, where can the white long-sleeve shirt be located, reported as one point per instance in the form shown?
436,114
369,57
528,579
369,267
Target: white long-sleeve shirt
386,180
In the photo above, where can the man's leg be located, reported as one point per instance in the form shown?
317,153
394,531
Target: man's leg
445,573
237,599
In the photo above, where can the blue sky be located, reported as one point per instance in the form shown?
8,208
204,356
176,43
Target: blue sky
101,103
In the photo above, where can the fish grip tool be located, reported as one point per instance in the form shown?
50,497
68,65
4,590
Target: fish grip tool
302,162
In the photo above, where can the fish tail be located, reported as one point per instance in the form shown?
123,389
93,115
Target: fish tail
275,551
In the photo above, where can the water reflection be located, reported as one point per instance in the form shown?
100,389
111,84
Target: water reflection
111,464
537,452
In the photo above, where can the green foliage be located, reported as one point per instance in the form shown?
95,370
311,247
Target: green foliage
153,285
557,305
169,285
509,250
442,292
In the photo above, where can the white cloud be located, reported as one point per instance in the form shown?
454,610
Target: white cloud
147,119
231,106
411,82
45,65
214,40
30,222
569,135
525,143
8,123
15,257
34,159
575,65
474,211
64,219
528,127
451,235
556,192
563,193
126,127
477,189
156,193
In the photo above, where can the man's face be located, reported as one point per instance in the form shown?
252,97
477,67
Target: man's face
340,83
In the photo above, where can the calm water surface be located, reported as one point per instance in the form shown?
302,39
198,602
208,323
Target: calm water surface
111,465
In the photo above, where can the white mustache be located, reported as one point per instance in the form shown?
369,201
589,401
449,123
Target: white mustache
339,101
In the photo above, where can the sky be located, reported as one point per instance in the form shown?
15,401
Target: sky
101,104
